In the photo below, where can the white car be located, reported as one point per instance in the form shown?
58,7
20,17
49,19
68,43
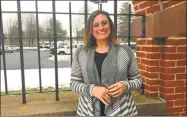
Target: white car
66,49
40,44
59,45
46,44
14,48
6,49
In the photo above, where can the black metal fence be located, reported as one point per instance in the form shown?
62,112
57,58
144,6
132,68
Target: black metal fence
54,38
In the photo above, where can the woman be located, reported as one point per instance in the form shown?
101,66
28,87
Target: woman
104,73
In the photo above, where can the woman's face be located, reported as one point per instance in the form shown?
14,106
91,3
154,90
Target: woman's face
101,27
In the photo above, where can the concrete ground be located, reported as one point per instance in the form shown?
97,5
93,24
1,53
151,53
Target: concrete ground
45,104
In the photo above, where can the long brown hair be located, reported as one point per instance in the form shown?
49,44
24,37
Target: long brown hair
89,39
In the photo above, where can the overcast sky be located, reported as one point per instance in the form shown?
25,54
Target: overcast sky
61,6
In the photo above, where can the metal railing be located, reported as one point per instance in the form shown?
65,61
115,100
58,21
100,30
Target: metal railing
19,12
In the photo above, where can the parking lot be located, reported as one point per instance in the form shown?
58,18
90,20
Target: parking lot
31,60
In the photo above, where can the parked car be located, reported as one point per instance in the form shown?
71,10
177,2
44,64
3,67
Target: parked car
46,44
66,49
133,46
14,48
6,49
60,44
40,44
51,51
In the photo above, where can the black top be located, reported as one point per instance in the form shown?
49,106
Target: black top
99,58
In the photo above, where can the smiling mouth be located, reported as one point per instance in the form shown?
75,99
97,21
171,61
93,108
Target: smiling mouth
101,33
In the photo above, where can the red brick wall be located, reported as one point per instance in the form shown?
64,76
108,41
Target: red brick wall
148,58
162,64
149,6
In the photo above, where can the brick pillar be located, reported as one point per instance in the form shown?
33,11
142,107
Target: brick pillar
162,64
173,75
148,58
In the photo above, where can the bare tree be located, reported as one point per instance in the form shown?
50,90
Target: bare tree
12,32
78,24
78,29
41,31
78,33
30,28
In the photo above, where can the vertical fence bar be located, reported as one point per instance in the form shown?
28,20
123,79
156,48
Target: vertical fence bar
3,52
101,5
85,11
70,29
98,6
38,42
115,15
129,25
21,52
55,50
143,25
143,36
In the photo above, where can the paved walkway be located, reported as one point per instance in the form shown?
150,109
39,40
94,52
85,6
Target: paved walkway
45,104
39,104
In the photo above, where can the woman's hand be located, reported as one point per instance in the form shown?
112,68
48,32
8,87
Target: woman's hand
102,94
115,90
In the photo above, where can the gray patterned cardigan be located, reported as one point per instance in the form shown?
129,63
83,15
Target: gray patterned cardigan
89,105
